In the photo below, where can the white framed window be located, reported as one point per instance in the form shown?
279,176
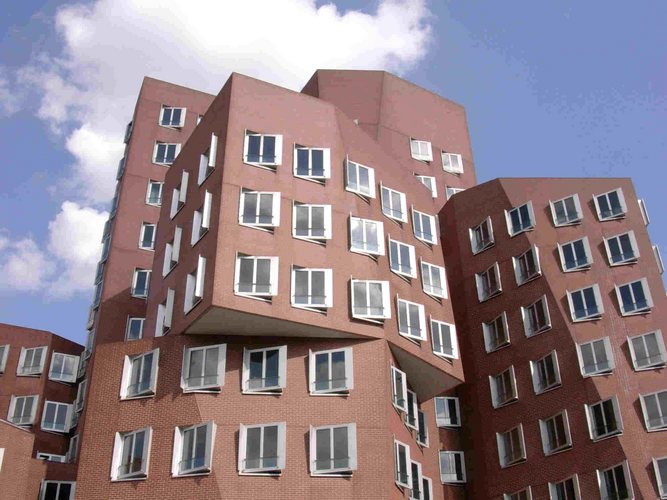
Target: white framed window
256,276
207,161
311,222
488,283
658,259
525,494
615,482
73,449
140,283
402,466
203,368
199,119
312,288
575,255
201,219
194,285
511,446
179,195
312,163
139,375
263,149
424,227
503,388
4,353
399,389
165,312
193,449
49,457
22,410
555,432
443,339
567,489
131,454
154,193
394,204
57,490
422,429
366,236
359,179
622,249
413,407
447,412
172,117
654,408
331,372
259,209
430,184
165,153
481,236
660,468
647,350
610,205
370,300
172,252
644,211
566,211
452,163
604,419
496,333
147,236
402,259
56,416
262,448
90,343
434,281
585,303
417,488
333,449
520,219
452,467
80,395
451,191
411,319
536,317
527,265
31,360
596,357
63,367
264,370
421,150
428,488
545,373
634,297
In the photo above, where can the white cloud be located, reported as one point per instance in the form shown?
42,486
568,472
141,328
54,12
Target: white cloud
9,100
23,266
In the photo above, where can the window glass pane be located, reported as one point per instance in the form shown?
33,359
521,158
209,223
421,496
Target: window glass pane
270,451
338,370
323,449
340,447
302,162
272,363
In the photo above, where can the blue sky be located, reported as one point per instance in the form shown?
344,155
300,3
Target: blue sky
557,89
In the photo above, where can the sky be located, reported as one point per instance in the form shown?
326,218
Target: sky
551,89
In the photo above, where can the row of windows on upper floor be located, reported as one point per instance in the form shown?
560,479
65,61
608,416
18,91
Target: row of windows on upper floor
63,368
57,416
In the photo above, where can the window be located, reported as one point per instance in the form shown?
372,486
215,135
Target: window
128,133
604,419
333,449
207,161
147,237
265,370
366,236
370,300
360,179
644,211
63,367
194,285
4,353
595,357
427,488
424,227
402,469
647,350
434,282
566,211
140,283
31,360
511,448
165,153
139,375
154,193
179,195
394,204
164,314
488,283
203,368
311,222
575,255
416,490
520,219
312,163
193,448
430,184
660,466
56,416
634,297
22,410
447,412
503,388
114,202
259,209
172,117
536,317
263,150
399,389
413,407
615,482
496,333
80,396
131,454
312,288
421,150
555,433
525,494
565,490
481,236
654,407
422,429
527,266
262,448
331,372
658,259
622,249
451,191
50,457
545,373
73,449
201,220
402,259
411,319
452,467
172,251
610,205
57,490
585,303
256,276
443,338
452,163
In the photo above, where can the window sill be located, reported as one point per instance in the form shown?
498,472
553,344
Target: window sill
435,296
538,332
203,390
569,223
598,374
415,340
317,180
648,368
636,313
264,392
332,474
429,244
513,464
497,348
141,396
479,251
372,255
526,230
267,228
162,164
272,167
404,276
656,429
503,405
608,436
316,309
576,269
548,389
147,249
485,299
589,318
445,357
364,196
528,280
191,474
558,451
623,263
375,319
260,298
322,242
126,479
612,217
331,394
277,473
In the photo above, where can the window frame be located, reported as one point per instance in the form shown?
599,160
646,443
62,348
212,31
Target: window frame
142,235
181,122
281,449
275,209
526,318
589,316
479,247
426,156
45,482
221,368
536,372
328,288
579,215
379,231
632,239
606,342
282,370
135,279
416,480
617,417
661,482
128,327
179,195
524,228
501,441
517,264
553,493
621,199
395,396
176,458
430,289
451,191
370,194
75,363
12,408
398,473
443,412
165,311
207,161
118,452
449,166
201,219
433,188
125,394
351,446
578,265
274,266
458,456
386,301
410,417
422,429
420,235
660,342
647,297
421,314
662,412
4,354
327,219
483,295
69,410
604,494
156,147
21,369
546,438
412,258
278,150
172,252
312,372
326,164
495,395
388,210
439,336
194,286
486,331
